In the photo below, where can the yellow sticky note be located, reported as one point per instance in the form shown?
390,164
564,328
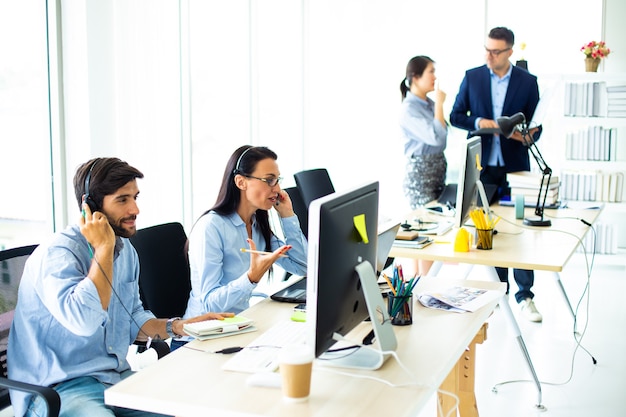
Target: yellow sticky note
359,224
478,166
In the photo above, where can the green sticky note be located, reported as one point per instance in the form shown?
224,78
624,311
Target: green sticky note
298,316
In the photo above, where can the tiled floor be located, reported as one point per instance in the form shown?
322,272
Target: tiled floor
572,386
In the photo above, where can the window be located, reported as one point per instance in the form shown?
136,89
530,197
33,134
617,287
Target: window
25,174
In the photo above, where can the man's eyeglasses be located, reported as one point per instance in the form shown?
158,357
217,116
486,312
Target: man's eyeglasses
272,182
496,52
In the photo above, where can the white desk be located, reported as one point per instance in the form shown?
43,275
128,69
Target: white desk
191,383
515,246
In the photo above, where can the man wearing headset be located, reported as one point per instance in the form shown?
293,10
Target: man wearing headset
78,306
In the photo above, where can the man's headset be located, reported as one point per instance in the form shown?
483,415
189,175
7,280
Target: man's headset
88,200
161,350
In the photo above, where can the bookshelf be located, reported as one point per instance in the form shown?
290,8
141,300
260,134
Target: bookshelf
584,142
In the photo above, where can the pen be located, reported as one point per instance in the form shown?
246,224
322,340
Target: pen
495,222
414,283
260,252
389,283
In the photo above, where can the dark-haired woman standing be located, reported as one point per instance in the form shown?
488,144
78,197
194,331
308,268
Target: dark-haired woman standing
424,131
221,274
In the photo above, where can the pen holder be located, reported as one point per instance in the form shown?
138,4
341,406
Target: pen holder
484,239
400,309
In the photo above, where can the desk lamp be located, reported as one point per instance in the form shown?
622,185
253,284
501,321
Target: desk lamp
507,127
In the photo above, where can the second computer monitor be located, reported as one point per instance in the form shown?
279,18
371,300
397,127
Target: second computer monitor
469,175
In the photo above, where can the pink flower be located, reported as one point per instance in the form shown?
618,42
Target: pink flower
595,49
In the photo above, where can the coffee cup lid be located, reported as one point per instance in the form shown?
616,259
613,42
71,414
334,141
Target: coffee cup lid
296,354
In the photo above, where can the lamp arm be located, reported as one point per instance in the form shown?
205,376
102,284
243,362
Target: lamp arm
545,171
534,150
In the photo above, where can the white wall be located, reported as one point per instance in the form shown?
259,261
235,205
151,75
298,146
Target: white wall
174,88
614,33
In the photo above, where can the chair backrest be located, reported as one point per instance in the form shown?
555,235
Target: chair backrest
299,208
313,184
11,268
164,282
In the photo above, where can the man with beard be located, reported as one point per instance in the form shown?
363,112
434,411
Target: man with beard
78,304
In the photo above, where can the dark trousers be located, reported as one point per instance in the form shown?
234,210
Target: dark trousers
524,278
496,176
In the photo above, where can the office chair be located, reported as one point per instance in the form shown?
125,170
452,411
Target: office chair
313,184
11,267
12,263
301,211
164,277
310,185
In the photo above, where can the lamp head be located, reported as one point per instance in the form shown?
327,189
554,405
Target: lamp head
507,124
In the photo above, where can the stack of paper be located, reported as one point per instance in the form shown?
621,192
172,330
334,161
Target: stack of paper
527,184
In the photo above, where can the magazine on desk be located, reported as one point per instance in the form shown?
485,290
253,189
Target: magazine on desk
458,299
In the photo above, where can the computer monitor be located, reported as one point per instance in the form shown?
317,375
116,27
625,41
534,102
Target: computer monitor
470,186
342,288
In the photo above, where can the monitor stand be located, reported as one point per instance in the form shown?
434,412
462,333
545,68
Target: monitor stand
483,196
366,357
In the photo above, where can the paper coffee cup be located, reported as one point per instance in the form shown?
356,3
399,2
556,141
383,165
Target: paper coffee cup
295,365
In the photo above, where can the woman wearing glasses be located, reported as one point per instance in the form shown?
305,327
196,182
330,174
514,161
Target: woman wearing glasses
224,271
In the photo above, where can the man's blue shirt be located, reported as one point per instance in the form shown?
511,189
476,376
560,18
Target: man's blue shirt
60,330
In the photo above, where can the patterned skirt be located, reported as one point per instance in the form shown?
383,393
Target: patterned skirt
425,178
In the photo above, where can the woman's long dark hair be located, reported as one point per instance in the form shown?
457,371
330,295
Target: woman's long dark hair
243,161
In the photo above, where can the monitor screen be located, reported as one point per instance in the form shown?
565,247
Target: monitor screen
469,175
342,244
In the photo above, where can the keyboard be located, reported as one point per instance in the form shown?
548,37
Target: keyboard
261,355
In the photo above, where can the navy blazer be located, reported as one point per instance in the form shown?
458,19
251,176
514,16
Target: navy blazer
474,100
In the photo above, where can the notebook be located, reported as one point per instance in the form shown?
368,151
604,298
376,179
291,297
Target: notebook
387,230
209,329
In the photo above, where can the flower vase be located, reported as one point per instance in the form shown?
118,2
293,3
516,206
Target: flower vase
591,64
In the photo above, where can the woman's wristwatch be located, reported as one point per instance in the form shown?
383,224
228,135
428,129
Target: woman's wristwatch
169,329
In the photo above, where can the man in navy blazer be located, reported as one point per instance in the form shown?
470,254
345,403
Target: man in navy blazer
488,92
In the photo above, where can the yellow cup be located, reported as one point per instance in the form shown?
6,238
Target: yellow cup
463,240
